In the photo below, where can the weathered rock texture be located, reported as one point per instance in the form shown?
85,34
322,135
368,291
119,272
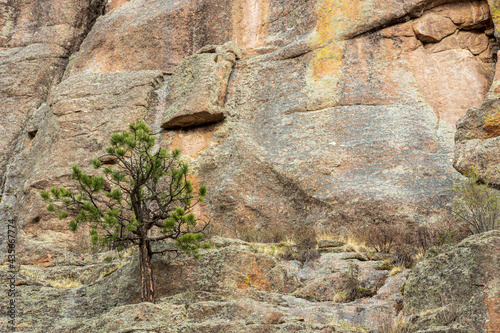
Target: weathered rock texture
235,287
457,290
198,87
36,39
477,143
231,288
319,112
334,112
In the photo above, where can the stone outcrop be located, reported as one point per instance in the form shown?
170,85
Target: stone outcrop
198,87
230,288
235,287
477,138
477,132
457,290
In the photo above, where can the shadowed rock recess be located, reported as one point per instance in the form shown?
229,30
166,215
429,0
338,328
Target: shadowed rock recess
315,112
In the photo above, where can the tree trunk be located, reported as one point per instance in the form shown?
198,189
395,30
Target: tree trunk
146,272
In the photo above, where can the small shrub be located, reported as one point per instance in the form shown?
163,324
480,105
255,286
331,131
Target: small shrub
268,234
306,245
386,265
476,204
405,255
381,237
407,242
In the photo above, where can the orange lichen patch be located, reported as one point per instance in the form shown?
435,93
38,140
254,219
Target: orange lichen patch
497,90
103,63
254,278
250,20
492,126
43,261
191,142
114,4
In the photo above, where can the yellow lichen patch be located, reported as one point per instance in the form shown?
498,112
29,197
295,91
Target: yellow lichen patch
328,61
112,270
324,73
492,126
335,17
65,283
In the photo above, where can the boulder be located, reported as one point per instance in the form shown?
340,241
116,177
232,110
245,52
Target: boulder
431,27
198,87
466,15
457,290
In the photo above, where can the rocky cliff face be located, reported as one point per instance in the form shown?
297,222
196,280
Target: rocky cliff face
317,111
477,132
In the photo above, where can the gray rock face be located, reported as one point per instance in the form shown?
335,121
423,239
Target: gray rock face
316,112
35,42
65,131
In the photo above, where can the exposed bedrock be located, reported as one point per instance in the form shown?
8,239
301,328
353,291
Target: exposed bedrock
232,288
334,112
36,39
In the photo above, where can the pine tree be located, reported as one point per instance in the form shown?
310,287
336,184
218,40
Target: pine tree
141,191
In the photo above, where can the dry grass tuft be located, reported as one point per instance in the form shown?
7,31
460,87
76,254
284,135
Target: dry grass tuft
277,250
351,244
396,270
340,297
65,283
112,270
